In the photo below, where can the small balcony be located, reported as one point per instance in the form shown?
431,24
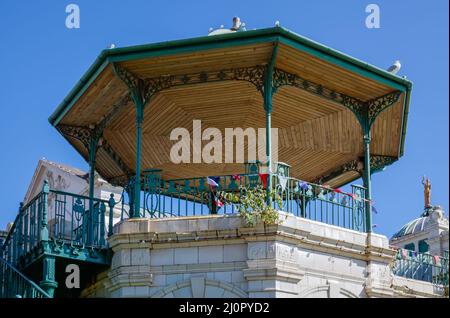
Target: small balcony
422,266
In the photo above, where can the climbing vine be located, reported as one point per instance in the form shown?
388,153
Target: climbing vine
252,204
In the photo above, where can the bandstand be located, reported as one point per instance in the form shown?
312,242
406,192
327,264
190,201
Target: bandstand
339,119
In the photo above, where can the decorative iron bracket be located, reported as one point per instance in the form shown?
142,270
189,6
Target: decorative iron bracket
377,105
83,134
376,163
365,112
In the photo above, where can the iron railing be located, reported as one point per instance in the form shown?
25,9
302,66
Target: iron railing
422,266
195,196
14,284
58,216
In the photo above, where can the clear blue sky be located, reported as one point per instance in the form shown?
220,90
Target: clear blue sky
41,60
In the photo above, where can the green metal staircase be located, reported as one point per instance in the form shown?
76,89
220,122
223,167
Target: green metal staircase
14,284
51,231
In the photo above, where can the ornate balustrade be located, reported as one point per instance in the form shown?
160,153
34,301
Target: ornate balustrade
422,266
60,218
201,196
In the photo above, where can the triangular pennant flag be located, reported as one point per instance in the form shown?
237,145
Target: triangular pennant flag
337,190
436,259
263,177
236,177
375,225
374,210
283,182
212,181
404,253
304,185
413,254
219,203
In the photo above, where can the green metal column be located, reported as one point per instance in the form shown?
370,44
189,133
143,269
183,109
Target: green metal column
92,152
268,92
367,181
48,282
137,185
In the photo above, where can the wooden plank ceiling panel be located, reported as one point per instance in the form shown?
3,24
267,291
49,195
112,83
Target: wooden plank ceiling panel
327,74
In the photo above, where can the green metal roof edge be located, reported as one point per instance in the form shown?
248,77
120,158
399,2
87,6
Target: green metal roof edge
238,38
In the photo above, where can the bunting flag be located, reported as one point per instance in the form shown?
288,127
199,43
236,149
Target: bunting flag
263,177
413,254
338,190
236,177
304,185
404,253
283,182
219,203
375,225
213,181
374,210
436,259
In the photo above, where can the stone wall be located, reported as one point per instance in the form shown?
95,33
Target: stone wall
218,256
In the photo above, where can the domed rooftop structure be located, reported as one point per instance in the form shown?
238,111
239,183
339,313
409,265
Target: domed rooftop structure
415,226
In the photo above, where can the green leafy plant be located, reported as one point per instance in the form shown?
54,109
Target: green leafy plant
252,204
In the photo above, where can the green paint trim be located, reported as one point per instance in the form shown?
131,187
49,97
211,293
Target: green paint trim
341,59
404,121
221,41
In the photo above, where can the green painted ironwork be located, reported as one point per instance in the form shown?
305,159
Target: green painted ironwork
72,230
14,284
422,266
196,197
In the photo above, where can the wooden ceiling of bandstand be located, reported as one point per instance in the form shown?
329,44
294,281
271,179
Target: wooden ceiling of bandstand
316,136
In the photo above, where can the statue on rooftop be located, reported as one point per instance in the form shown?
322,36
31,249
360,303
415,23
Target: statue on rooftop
427,191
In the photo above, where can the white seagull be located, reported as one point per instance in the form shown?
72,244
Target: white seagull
394,68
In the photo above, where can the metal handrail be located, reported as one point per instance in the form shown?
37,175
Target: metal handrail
35,289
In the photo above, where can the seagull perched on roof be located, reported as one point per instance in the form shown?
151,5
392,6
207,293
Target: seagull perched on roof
394,68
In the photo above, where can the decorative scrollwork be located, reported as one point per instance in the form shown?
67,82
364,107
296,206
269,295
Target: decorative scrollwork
379,162
376,163
283,78
150,86
355,105
132,81
365,112
80,133
155,85
254,75
376,106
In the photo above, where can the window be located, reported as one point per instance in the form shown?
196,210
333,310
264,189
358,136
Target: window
410,247
423,246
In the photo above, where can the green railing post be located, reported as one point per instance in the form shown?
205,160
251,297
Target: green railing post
43,222
137,185
48,283
20,232
367,182
111,204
